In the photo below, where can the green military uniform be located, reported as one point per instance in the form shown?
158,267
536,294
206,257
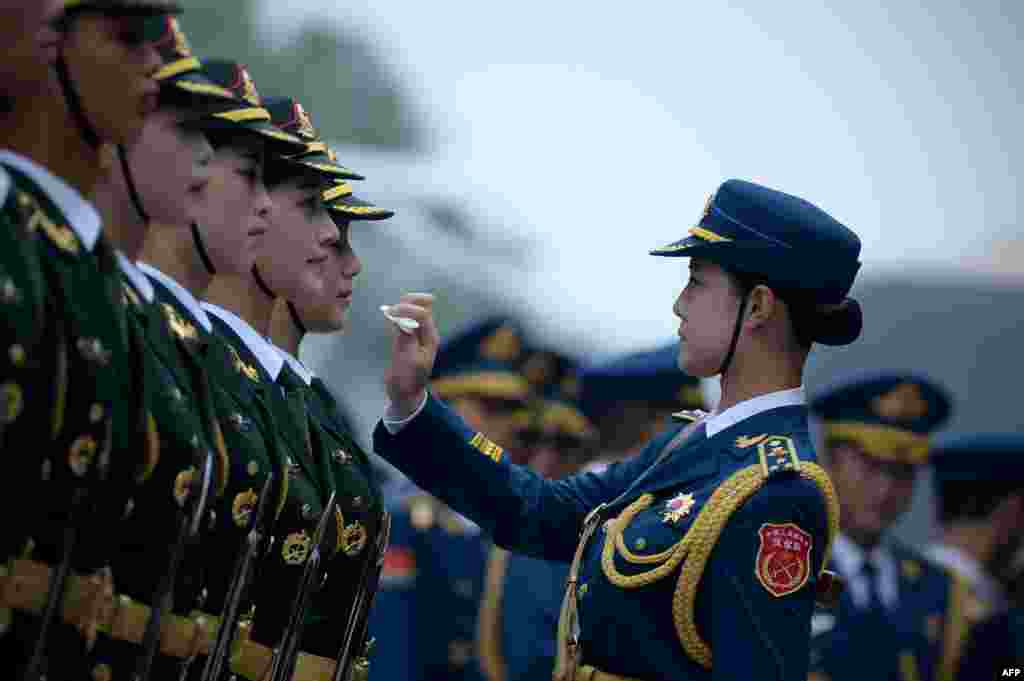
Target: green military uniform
92,430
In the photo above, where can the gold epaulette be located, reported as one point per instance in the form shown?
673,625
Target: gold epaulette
777,454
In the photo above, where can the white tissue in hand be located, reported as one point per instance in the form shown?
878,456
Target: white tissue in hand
404,323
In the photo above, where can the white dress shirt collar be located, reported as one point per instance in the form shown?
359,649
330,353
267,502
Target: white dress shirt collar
850,559
182,294
298,367
260,347
716,422
142,286
82,216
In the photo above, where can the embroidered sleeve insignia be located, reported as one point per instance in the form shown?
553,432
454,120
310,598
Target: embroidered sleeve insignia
777,453
677,508
783,561
486,447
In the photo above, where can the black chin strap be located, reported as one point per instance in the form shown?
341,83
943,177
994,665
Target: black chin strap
74,103
296,319
129,181
204,255
261,283
735,334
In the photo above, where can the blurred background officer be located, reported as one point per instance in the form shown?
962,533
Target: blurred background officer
425,615
632,397
898,611
979,489
519,611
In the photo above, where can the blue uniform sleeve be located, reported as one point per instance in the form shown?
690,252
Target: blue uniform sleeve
519,509
759,569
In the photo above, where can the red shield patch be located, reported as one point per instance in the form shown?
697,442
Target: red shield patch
783,558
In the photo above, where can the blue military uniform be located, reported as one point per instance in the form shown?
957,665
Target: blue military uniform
900,615
425,615
971,472
731,510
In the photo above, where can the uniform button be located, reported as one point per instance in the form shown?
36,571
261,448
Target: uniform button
176,394
102,672
253,467
341,456
640,544
96,413
357,502
17,355
9,292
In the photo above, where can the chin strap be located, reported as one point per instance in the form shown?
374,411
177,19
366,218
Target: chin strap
204,255
261,283
735,334
129,181
296,319
74,103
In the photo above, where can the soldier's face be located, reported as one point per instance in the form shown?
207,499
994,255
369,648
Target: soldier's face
293,257
328,313
112,66
707,310
170,165
234,215
873,494
30,47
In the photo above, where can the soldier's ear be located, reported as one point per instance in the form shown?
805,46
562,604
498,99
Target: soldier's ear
762,306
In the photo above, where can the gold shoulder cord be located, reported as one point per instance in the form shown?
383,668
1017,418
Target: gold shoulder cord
698,544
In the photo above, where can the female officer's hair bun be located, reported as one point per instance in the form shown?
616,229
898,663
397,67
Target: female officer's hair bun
836,324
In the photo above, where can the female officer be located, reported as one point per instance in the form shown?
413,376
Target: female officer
699,558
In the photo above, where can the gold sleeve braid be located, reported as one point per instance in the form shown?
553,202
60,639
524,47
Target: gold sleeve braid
698,544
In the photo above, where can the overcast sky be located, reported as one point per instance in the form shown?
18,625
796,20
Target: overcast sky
601,128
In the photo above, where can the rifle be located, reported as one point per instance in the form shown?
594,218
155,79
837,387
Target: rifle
258,530
36,668
286,654
191,516
359,615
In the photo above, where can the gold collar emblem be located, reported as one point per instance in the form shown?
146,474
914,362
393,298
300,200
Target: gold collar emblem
181,327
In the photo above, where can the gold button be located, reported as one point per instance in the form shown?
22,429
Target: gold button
102,672
17,355
96,412
252,468
640,543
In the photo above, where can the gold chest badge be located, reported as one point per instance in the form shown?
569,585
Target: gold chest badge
295,548
678,507
243,506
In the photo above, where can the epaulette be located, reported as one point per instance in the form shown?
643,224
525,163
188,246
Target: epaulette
777,454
